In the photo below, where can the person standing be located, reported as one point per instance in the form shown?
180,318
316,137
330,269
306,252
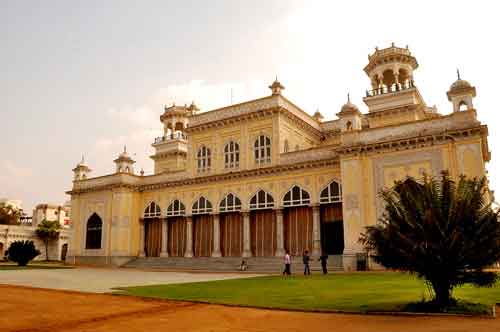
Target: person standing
305,260
288,262
323,259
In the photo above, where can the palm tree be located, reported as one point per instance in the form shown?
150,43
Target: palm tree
445,232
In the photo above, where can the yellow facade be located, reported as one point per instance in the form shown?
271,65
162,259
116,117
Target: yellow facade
362,153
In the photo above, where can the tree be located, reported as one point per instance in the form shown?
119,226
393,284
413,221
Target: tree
443,231
9,215
22,252
48,230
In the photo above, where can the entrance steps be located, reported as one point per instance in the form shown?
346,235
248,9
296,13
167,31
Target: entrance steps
231,264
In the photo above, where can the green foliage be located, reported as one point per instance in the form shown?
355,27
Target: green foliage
48,230
9,215
21,252
445,232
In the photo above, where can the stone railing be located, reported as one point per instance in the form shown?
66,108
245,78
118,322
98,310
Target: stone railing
390,50
306,155
249,107
453,121
232,111
390,89
333,125
107,180
171,137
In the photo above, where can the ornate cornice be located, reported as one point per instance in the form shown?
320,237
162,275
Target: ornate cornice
264,171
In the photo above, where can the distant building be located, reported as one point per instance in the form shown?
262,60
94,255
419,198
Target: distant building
52,212
26,229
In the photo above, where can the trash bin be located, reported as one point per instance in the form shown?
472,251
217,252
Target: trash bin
361,262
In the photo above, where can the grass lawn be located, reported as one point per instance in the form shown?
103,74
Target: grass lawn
360,292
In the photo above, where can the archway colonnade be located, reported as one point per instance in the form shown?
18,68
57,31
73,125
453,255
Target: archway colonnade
266,229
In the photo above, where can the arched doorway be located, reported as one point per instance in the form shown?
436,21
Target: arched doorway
64,252
93,235
297,221
176,229
331,219
262,225
152,229
202,228
231,226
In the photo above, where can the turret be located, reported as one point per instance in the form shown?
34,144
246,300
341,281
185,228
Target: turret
81,171
350,116
461,94
124,164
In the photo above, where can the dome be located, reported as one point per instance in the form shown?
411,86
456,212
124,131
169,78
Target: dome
460,84
349,107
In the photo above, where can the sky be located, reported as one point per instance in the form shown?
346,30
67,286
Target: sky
88,77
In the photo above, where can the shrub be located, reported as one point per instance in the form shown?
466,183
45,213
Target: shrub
22,252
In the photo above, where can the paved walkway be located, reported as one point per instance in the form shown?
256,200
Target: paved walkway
100,280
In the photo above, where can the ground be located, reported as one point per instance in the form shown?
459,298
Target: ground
100,280
65,311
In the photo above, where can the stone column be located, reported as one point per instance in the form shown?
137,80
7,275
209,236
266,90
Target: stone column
189,237
280,239
316,251
247,251
142,238
216,234
164,238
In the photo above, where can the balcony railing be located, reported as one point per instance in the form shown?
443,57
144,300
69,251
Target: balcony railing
390,89
171,137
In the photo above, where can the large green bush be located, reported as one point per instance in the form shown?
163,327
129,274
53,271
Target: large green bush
22,252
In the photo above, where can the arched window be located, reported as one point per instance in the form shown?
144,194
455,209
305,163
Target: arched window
230,203
203,158
201,206
331,194
261,200
348,125
94,232
152,211
262,150
176,208
463,106
296,196
232,155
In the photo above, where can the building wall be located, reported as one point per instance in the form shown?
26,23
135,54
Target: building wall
11,233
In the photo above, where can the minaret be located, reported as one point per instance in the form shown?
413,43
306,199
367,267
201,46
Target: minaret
461,94
171,148
124,164
391,76
81,171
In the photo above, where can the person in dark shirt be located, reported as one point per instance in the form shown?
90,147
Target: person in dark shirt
323,259
305,260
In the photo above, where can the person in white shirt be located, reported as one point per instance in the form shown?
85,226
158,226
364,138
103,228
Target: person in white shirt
288,263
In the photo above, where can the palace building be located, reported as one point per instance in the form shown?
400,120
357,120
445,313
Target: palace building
260,177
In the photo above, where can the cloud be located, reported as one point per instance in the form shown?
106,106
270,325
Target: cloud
9,170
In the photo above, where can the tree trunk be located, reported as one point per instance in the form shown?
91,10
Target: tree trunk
46,250
442,291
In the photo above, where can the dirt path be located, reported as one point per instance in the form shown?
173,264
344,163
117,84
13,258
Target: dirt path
30,309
